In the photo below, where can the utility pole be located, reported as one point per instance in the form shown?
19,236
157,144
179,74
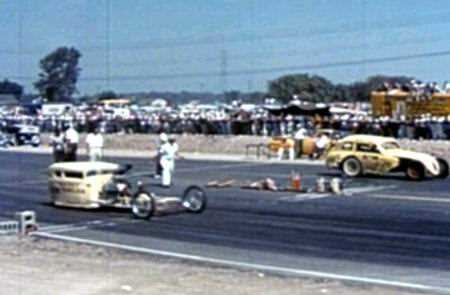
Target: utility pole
224,69
20,42
108,44
249,85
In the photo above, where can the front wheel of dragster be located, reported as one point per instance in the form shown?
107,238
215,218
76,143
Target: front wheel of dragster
143,205
194,199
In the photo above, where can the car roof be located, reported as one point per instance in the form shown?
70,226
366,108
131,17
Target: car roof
368,138
84,166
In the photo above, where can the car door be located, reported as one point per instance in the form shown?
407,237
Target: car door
369,156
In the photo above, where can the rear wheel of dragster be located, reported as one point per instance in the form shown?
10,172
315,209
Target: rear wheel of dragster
194,199
352,167
443,168
143,205
415,171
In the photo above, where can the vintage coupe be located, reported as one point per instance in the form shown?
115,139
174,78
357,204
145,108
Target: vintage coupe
103,184
356,155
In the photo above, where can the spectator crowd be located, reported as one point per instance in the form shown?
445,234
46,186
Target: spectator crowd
233,119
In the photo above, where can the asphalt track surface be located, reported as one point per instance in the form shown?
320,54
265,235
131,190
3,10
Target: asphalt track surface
384,229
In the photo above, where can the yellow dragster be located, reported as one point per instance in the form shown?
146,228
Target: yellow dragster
356,155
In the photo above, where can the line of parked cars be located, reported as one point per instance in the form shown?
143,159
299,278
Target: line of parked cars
20,134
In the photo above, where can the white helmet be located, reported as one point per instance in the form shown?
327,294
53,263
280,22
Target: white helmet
163,137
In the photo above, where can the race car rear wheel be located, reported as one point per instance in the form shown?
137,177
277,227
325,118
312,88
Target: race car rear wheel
415,171
352,167
194,199
143,205
443,168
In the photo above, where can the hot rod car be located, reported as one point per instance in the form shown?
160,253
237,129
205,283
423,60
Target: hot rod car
102,184
356,155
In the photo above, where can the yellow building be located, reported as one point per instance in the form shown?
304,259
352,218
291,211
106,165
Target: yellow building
399,103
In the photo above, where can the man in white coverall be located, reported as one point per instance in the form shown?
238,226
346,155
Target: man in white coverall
94,143
167,159
72,138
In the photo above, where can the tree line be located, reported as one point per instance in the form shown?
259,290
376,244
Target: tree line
60,71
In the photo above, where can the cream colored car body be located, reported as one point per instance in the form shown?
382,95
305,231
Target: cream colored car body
79,184
385,157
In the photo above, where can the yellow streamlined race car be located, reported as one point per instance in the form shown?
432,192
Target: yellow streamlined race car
356,155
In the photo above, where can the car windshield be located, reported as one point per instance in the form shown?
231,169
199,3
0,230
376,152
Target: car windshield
390,145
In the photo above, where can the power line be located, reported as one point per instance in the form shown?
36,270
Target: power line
303,67
287,53
285,33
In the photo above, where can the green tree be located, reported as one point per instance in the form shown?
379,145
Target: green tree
232,95
9,87
311,88
59,74
109,94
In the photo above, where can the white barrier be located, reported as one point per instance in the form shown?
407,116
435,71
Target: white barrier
9,227
27,221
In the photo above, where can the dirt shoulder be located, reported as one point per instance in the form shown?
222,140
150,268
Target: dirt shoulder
35,266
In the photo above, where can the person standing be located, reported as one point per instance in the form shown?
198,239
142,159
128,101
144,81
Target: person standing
321,145
299,136
94,142
158,169
288,144
57,143
176,149
72,139
167,160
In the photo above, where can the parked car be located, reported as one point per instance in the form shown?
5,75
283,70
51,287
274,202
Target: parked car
356,155
24,134
5,140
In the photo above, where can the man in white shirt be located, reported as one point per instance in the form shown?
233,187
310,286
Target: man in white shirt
94,143
72,139
57,142
167,154
321,145
299,136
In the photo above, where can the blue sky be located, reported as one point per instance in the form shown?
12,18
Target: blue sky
212,45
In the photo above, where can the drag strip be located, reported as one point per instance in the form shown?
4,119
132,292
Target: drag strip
381,230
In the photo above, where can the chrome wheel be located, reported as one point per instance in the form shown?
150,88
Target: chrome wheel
143,205
194,199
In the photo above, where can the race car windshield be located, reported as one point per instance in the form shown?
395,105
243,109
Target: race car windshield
390,145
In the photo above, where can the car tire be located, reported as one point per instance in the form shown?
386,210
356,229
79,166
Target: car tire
443,168
194,199
352,167
143,205
415,171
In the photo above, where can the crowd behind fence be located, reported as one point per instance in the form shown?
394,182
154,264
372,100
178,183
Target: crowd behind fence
238,123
